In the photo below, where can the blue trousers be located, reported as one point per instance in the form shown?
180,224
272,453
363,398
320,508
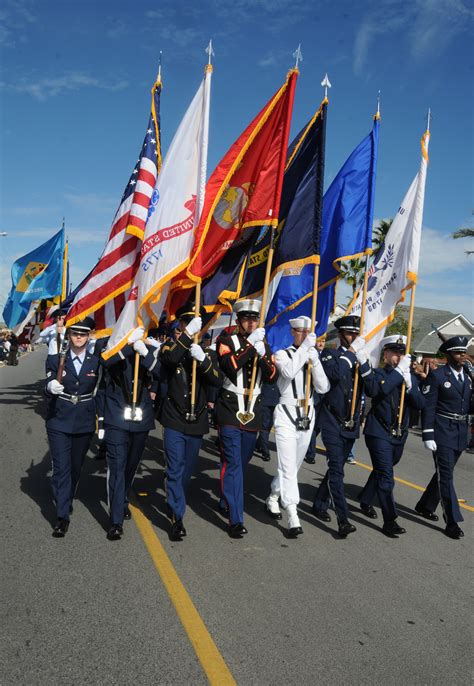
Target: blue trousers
124,452
441,486
181,453
264,434
332,486
311,452
237,448
384,456
67,455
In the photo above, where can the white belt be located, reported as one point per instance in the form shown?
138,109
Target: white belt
229,386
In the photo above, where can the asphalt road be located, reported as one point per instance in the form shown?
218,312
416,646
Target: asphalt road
316,610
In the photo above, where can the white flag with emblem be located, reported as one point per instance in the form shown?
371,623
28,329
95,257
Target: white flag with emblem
395,268
174,213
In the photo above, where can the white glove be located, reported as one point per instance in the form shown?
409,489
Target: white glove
404,365
153,342
430,445
197,352
136,335
257,335
357,344
362,356
140,348
260,348
194,326
55,387
313,355
407,380
101,434
309,341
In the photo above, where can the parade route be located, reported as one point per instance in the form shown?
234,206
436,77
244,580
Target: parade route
262,610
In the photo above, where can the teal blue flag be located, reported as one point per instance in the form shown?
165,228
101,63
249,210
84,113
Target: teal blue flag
35,276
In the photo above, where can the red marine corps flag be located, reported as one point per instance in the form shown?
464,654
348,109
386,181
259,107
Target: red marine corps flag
243,192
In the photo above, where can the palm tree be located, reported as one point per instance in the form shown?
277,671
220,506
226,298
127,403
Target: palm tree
352,271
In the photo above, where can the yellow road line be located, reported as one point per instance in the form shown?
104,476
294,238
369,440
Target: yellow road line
402,481
206,650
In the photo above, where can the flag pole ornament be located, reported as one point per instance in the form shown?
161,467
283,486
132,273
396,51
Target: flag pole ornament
210,52
325,83
298,55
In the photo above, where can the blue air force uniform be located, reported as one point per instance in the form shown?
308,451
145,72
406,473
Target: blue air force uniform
385,445
338,436
182,434
125,439
448,402
71,420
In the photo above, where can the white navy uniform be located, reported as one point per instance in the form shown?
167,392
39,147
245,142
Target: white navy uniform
291,442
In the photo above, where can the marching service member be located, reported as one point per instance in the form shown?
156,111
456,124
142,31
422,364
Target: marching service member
126,425
183,424
449,400
71,387
292,428
238,415
385,436
339,429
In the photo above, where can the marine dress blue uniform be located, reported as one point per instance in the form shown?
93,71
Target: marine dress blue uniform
125,439
71,422
384,441
444,420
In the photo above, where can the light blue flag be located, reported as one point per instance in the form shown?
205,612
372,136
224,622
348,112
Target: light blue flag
35,276
348,211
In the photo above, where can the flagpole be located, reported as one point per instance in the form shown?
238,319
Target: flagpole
318,221
268,271
362,312
197,297
411,313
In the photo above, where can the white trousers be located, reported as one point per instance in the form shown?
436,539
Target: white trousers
291,450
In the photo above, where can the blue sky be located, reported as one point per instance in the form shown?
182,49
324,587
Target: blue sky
75,98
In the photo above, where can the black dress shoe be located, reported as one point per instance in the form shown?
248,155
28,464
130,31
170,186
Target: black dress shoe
273,515
310,460
126,513
266,457
423,512
295,531
368,510
323,515
115,532
392,529
346,528
60,528
177,530
454,531
236,530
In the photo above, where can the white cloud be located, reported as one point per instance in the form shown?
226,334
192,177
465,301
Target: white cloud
429,27
44,88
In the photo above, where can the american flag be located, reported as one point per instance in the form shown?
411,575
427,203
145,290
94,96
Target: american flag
104,291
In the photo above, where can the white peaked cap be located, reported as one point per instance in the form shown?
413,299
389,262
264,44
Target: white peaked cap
300,323
395,339
248,305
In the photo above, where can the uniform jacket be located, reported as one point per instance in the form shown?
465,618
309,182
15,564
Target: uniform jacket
444,395
118,388
235,355
340,366
64,415
176,366
384,387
